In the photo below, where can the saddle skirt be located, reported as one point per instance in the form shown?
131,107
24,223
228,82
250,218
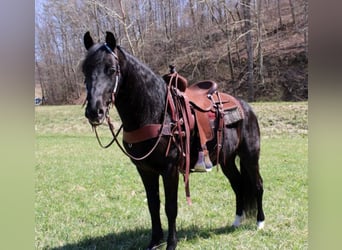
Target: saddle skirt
198,94
204,97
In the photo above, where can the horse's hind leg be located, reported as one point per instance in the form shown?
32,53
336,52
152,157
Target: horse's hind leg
248,188
246,183
151,184
253,185
260,192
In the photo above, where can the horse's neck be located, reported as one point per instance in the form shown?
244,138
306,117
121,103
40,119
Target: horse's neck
142,99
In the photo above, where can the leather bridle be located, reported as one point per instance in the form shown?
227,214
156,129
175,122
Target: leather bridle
111,126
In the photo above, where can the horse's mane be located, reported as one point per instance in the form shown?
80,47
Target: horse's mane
144,73
146,89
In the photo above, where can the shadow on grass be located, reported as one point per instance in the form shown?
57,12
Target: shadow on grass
139,239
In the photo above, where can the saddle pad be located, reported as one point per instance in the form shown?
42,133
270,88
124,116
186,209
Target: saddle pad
231,108
231,116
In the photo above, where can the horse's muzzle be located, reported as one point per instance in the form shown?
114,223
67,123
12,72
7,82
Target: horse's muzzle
96,116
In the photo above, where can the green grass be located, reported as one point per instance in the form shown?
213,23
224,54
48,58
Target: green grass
91,198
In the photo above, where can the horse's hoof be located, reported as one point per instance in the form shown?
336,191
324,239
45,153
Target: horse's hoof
171,247
171,244
155,247
238,220
260,224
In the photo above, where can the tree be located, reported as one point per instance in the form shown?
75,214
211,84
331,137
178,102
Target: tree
279,14
292,12
259,42
205,39
246,6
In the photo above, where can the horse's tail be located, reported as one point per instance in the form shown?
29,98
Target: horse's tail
249,193
252,184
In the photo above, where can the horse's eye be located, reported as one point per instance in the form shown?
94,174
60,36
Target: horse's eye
111,70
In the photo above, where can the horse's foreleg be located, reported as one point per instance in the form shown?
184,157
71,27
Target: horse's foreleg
171,195
151,183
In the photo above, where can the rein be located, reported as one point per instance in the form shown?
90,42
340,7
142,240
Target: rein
111,128
115,138
115,135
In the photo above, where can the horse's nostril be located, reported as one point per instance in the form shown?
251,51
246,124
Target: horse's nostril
95,115
101,113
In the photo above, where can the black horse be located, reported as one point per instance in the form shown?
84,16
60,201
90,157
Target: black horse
113,76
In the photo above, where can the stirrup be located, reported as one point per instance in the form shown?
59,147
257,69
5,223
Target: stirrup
203,163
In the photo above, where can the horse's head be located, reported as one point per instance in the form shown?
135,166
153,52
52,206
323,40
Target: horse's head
102,76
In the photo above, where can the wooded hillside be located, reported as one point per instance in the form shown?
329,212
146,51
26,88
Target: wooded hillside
254,49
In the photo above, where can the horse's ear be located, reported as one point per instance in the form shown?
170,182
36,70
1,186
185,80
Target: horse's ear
88,41
110,40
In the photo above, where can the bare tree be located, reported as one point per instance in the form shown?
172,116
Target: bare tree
192,12
125,23
249,47
292,12
279,14
191,33
259,42
306,13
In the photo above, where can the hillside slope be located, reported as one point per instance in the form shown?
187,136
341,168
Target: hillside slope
285,62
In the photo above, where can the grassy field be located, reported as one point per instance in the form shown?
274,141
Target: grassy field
91,198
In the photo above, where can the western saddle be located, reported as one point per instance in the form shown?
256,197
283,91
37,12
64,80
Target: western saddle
200,107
